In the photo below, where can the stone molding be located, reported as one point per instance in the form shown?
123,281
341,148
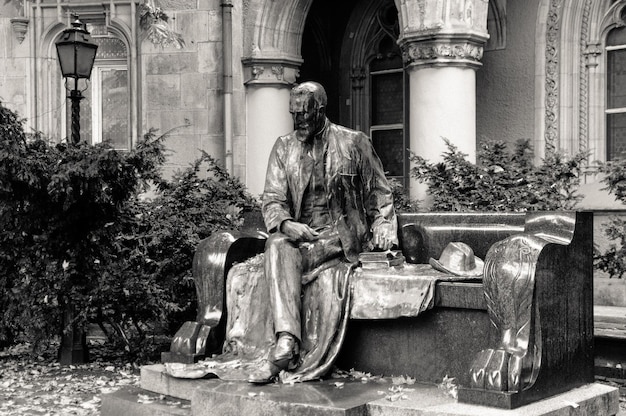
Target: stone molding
358,76
271,71
452,16
553,28
20,28
442,52
573,76
588,54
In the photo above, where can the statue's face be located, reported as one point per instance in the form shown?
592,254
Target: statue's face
307,118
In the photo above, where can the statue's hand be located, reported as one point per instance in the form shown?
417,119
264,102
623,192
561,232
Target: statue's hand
383,236
298,231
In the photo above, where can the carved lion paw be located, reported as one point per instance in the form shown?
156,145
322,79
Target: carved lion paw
496,369
190,342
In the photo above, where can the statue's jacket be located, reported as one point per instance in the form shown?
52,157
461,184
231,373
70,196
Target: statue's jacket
358,195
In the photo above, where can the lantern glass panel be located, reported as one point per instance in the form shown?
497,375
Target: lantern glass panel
85,54
66,56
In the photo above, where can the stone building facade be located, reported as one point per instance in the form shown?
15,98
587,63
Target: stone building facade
407,72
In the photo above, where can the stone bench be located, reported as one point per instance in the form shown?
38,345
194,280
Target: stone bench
512,339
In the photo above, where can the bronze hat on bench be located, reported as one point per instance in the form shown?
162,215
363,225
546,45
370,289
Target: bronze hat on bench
458,258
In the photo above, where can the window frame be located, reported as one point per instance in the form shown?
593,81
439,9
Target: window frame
404,179
615,110
94,87
96,101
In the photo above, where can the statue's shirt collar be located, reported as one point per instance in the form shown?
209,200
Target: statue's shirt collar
321,135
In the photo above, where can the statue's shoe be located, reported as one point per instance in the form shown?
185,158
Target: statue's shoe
285,352
283,357
265,374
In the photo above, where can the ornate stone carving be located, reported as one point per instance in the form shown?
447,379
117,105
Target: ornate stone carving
357,75
583,86
257,71
614,15
278,71
526,320
509,283
444,51
591,52
551,134
270,71
422,13
20,27
441,32
450,16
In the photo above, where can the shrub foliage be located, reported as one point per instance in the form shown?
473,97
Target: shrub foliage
613,260
78,232
501,180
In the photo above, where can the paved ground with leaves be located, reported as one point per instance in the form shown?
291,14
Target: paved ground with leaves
35,384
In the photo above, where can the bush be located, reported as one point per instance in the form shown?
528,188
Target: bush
401,200
500,180
152,257
613,260
77,234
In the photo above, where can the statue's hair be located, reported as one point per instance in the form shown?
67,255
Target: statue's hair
314,89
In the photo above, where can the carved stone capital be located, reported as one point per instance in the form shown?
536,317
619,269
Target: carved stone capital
450,16
591,53
358,77
443,33
271,71
442,52
20,28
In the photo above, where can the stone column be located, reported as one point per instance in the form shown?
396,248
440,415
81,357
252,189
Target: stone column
268,83
442,44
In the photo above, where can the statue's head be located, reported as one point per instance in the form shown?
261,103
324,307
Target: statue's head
307,105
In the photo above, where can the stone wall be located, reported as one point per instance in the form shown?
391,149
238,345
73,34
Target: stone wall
179,91
183,88
13,63
505,91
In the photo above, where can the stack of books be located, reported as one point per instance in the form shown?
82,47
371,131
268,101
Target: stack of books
378,259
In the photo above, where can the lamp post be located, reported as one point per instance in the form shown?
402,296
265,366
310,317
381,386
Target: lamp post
76,53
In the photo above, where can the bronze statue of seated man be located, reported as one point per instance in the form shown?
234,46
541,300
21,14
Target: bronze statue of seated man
326,200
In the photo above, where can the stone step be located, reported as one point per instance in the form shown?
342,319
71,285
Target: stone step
352,397
328,397
609,322
135,401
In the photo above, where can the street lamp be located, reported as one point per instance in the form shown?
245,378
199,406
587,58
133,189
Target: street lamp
76,53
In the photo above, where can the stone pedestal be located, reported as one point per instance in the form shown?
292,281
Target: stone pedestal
331,397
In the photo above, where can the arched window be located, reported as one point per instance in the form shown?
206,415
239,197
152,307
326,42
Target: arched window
105,110
387,115
363,73
615,93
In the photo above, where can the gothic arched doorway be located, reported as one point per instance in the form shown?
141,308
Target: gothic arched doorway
351,48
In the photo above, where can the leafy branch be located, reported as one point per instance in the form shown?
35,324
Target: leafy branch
613,260
155,24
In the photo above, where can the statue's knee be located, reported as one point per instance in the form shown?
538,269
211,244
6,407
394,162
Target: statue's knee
278,242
